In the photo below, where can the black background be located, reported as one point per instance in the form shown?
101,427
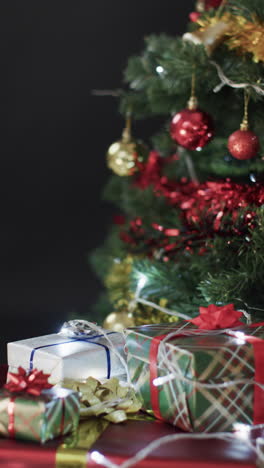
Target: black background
53,139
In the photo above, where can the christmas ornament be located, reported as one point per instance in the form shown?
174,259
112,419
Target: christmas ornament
118,321
123,154
194,16
244,144
192,128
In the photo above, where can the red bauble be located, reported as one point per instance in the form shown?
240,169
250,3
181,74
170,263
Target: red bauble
243,144
192,129
194,16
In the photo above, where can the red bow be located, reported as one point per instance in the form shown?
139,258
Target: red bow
213,317
32,383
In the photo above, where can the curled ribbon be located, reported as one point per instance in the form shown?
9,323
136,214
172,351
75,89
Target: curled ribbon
109,400
31,383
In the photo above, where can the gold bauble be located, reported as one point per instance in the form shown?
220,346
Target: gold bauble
118,321
121,158
210,37
123,154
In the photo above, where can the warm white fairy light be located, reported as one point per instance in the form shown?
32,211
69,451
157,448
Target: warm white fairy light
162,380
160,70
240,338
242,431
141,282
100,459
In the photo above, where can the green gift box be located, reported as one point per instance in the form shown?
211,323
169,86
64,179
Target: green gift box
53,413
199,380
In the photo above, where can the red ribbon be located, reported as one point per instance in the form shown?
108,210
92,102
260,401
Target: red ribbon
32,383
258,347
11,417
153,371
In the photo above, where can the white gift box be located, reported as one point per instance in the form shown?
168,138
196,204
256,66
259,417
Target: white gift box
69,357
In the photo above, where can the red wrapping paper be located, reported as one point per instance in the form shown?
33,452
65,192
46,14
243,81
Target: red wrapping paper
119,442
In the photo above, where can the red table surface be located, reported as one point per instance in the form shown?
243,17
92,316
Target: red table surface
121,441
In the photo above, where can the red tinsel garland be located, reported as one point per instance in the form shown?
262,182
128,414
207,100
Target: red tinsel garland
211,208
208,5
212,4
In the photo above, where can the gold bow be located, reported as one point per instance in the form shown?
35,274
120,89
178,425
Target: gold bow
108,400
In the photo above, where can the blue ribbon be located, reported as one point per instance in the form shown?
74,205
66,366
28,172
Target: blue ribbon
86,340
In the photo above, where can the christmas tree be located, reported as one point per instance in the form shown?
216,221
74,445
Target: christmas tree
188,230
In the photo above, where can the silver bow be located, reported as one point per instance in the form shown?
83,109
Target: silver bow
77,328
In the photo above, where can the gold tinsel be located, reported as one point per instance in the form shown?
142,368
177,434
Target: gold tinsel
117,283
120,295
242,35
144,315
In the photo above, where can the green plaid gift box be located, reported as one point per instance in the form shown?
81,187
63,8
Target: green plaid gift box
200,381
40,418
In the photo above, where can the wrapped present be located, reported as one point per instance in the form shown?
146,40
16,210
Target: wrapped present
119,442
77,352
199,380
31,409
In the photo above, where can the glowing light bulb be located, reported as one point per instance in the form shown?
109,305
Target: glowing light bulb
142,281
162,380
97,457
242,431
159,69
240,337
